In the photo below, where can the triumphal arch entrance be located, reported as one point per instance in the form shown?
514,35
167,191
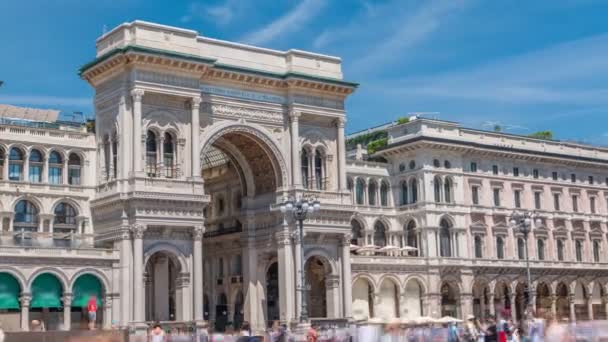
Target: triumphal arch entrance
199,141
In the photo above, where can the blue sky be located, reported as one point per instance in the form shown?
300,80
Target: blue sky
529,65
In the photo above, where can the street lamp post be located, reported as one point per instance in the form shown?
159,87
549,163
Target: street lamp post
523,222
300,209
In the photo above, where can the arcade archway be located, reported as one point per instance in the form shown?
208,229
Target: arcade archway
316,278
163,291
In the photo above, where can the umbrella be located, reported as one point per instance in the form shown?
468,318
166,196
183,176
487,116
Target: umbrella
423,320
409,249
388,248
354,248
448,319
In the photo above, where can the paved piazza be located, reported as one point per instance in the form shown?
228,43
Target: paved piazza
170,210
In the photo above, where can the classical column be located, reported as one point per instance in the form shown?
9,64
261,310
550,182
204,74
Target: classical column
161,154
67,311
605,303
64,171
138,273
298,269
111,172
107,312
340,123
195,125
126,287
137,95
197,237
346,277
491,304
466,302
45,170
554,305
286,275
295,148
252,305
572,312
25,311
590,308
512,300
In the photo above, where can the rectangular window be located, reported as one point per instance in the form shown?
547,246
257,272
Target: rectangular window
15,171
54,175
516,171
554,175
590,180
475,195
535,173
473,167
537,203
556,202
517,198
495,169
497,197
575,203
35,174
74,176
592,204
573,178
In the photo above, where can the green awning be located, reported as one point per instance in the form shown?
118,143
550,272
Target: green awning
9,292
46,292
86,286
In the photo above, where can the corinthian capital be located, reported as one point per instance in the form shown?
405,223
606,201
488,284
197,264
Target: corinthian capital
197,232
346,238
295,115
340,122
138,230
137,94
196,102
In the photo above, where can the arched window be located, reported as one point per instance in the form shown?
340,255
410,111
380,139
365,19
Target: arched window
55,168
319,179
2,161
478,247
304,166
447,190
436,163
65,214
437,186
379,234
540,247
560,250
350,186
371,192
26,216
383,194
447,164
151,157
36,163
578,244
414,189
169,157
445,239
74,169
411,239
15,164
356,232
404,193
360,191
596,251
521,245
500,247
412,164
402,167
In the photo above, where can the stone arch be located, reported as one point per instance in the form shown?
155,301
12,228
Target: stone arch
169,249
421,282
389,294
258,134
393,278
323,254
365,276
30,198
105,282
363,297
69,201
414,290
23,282
61,276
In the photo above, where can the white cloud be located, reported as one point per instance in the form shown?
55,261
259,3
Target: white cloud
221,14
287,23
45,100
566,73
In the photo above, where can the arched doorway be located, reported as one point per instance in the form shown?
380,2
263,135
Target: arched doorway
10,306
562,304
221,312
237,320
543,299
363,299
520,300
599,310
162,291
481,304
388,307
502,299
46,304
272,293
581,297
86,288
449,300
316,295
413,299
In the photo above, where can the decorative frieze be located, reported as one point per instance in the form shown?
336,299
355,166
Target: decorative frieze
238,112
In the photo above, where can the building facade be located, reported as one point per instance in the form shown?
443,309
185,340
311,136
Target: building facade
169,211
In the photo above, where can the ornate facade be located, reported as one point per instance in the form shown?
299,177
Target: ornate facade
170,210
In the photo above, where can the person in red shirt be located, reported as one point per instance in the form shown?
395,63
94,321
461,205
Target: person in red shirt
92,312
